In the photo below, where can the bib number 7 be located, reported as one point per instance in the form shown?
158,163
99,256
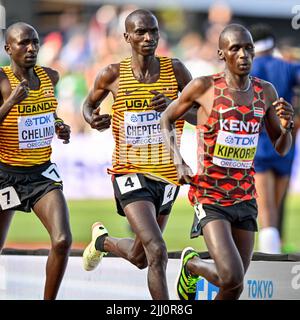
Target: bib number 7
9,198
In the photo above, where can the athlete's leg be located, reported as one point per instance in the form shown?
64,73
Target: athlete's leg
266,202
149,242
281,215
268,236
244,241
5,221
132,249
271,190
227,270
53,212
281,189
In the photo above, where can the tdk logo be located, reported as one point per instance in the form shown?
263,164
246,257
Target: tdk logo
260,289
28,123
134,118
205,290
38,120
241,141
145,117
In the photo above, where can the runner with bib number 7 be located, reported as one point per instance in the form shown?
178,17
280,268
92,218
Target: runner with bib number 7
28,122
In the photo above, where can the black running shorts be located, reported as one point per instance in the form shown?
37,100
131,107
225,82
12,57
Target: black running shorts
134,187
22,187
242,215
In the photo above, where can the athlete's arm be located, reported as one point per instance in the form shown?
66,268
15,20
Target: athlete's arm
8,97
103,85
278,118
183,77
189,96
62,130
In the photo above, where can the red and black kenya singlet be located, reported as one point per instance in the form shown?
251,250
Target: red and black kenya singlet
226,147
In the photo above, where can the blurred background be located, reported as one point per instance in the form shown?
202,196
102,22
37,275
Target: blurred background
78,38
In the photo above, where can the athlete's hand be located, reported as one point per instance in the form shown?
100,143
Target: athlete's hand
284,111
63,131
100,122
184,173
159,102
19,93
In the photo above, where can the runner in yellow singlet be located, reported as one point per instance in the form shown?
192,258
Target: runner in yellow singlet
28,122
143,174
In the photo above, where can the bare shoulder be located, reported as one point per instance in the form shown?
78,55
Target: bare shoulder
177,64
270,92
3,75
107,75
202,83
53,75
5,87
267,86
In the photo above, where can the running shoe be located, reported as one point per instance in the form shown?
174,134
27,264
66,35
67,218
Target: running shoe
185,282
92,256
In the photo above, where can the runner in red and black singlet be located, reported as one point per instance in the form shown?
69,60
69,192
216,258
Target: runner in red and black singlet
232,109
226,147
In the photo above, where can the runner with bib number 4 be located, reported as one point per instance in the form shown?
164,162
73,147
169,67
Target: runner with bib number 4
143,174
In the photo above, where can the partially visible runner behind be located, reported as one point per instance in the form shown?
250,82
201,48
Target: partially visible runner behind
143,175
272,171
28,122
232,108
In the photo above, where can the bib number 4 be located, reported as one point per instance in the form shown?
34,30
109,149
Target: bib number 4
128,182
169,193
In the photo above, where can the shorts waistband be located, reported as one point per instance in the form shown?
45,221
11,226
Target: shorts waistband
20,169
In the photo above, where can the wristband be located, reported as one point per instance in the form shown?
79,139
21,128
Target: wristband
58,122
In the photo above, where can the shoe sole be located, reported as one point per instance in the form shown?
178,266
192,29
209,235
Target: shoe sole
181,265
86,249
90,244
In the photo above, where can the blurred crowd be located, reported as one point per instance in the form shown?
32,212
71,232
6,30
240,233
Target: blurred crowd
78,49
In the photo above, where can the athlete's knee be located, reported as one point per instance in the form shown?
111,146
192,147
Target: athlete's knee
62,244
141,263
138,258
157,253
232,280
239,289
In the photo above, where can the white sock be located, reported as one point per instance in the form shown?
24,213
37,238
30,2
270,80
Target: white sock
269,240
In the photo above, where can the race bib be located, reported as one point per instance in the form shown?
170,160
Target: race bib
128,182
52,173
233,150
36,131
169,193
9,198
142,128
199,211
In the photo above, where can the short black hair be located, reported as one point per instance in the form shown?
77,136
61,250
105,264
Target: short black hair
137,13
15,26
261,31
233,27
